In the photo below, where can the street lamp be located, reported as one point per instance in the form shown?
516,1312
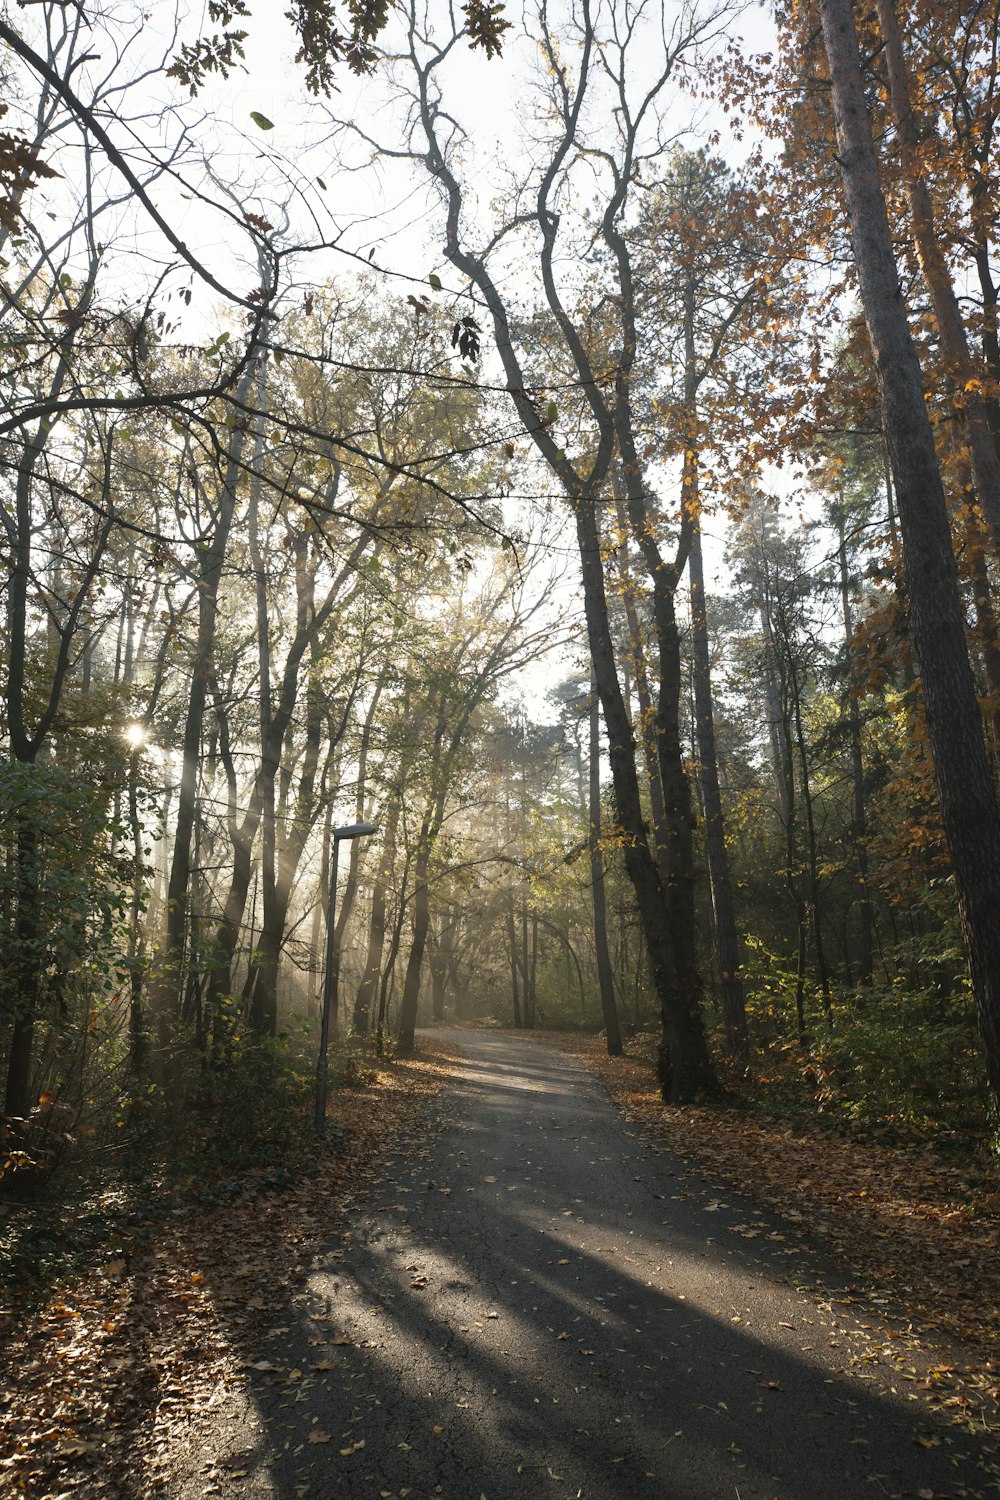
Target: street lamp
332,972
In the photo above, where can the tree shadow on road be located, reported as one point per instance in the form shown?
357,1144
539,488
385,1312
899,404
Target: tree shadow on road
575,1319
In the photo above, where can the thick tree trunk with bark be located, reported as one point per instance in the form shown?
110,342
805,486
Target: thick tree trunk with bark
963,374
685,1066
678,812
967,793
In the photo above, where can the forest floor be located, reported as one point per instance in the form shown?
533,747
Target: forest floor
921,1236
98,1379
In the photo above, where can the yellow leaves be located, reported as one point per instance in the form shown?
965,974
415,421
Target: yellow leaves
352,1448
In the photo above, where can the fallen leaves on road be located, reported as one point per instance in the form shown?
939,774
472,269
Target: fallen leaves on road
923,1238
102,1382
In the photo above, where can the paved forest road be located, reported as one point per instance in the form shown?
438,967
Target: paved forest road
539,1305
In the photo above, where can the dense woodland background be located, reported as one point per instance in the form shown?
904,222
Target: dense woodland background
305,526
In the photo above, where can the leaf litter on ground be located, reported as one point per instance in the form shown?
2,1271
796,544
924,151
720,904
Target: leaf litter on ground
921,1236
101,1381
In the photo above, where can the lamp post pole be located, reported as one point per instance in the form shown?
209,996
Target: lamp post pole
331,975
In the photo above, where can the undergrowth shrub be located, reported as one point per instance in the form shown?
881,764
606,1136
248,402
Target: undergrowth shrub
901,1058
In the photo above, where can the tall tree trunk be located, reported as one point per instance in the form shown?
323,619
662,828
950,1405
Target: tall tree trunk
685,1068
535,1012
784,752
727,940
529,993
605,974
242,834
280,856
376,922
346,902
985,617
170,956
264,999
812,850
136,935
320,916
776,716
982,216
962,372
640,669
418,942
27,972
859,818
512,946
440,954
390,963
967,793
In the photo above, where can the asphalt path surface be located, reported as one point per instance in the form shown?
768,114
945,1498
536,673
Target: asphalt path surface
540,1304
